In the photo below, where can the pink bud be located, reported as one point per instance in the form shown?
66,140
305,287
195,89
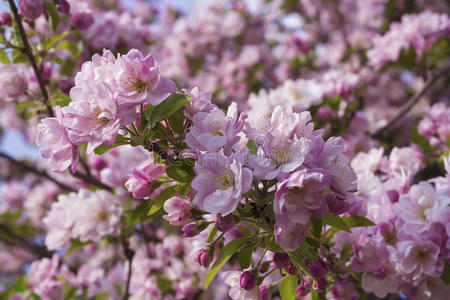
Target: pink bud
63,7
5,18
318,269
291,270
203,257
47,71
393,195
324,113
82,20
303,289
247,281
65,85
192,229
321,284
31,9
264,267
224,224
281,260
265,293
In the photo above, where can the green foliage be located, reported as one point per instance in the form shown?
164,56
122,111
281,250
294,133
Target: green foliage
75,50
166,108
316,226
288,287
19,57
245,257
225,254
4,59
159,202
60,99
164,284
183,170
53,17
212,233
75,245
446,274
51,42
335,222
120,140
357,221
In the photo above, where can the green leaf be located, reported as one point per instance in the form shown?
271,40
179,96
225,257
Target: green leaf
212,233
4,59
76,245
22,106
159,202
445,277
315,295
316,226
357,221
183,189
335,221
225,254
168,107
251,145
120,140
53,17
74,50
164,284
48,44
176,121
139,213
288,287
305,251
19,57
245,257
182,172
101,296
60,99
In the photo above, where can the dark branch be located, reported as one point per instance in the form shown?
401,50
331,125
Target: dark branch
27,50
92,180
413,101
31,169
129,254
16,240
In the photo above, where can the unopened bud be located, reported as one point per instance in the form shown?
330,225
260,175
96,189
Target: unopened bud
318,269
203,257
281,260
82,20
194,228
5,18
63,7
291,269
224,224
247,281
321,284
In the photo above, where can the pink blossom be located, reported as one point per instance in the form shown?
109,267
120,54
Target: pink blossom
31,9
220,182
232,278
12,82
139,80
201,102
290,239
298,196
140,179
82,20
178,210
419,257
54,143
42,277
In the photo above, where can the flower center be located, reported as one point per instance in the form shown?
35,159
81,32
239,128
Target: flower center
102,216
226,181
138,85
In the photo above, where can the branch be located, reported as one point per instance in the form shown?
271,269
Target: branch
129,253
32,169
413,101
92,180
17,240
27,50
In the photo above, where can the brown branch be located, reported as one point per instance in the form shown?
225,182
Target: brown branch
32,169
27,50
92,180
129,254
413,101
17,240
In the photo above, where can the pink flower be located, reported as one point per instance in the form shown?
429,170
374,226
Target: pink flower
42,278
419,257
232,278
31,9
82,20
220,182
54,143
12,82
140,180
213,130
344,290
201,102
290,239
139,80
92,116
299,195
97,215
178,209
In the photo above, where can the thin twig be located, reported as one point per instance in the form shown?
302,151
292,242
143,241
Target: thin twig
413,101
32,169
92,180
17,240
129,253
27,50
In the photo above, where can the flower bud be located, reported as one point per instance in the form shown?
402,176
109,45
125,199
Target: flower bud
291,269
65,85
192,229
318,269
203,257
47,71
247,281
324,113
393,196
224,224
264,267
63,7
82,20
5,18
31,9
321,284
281,260
265,293
303,289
